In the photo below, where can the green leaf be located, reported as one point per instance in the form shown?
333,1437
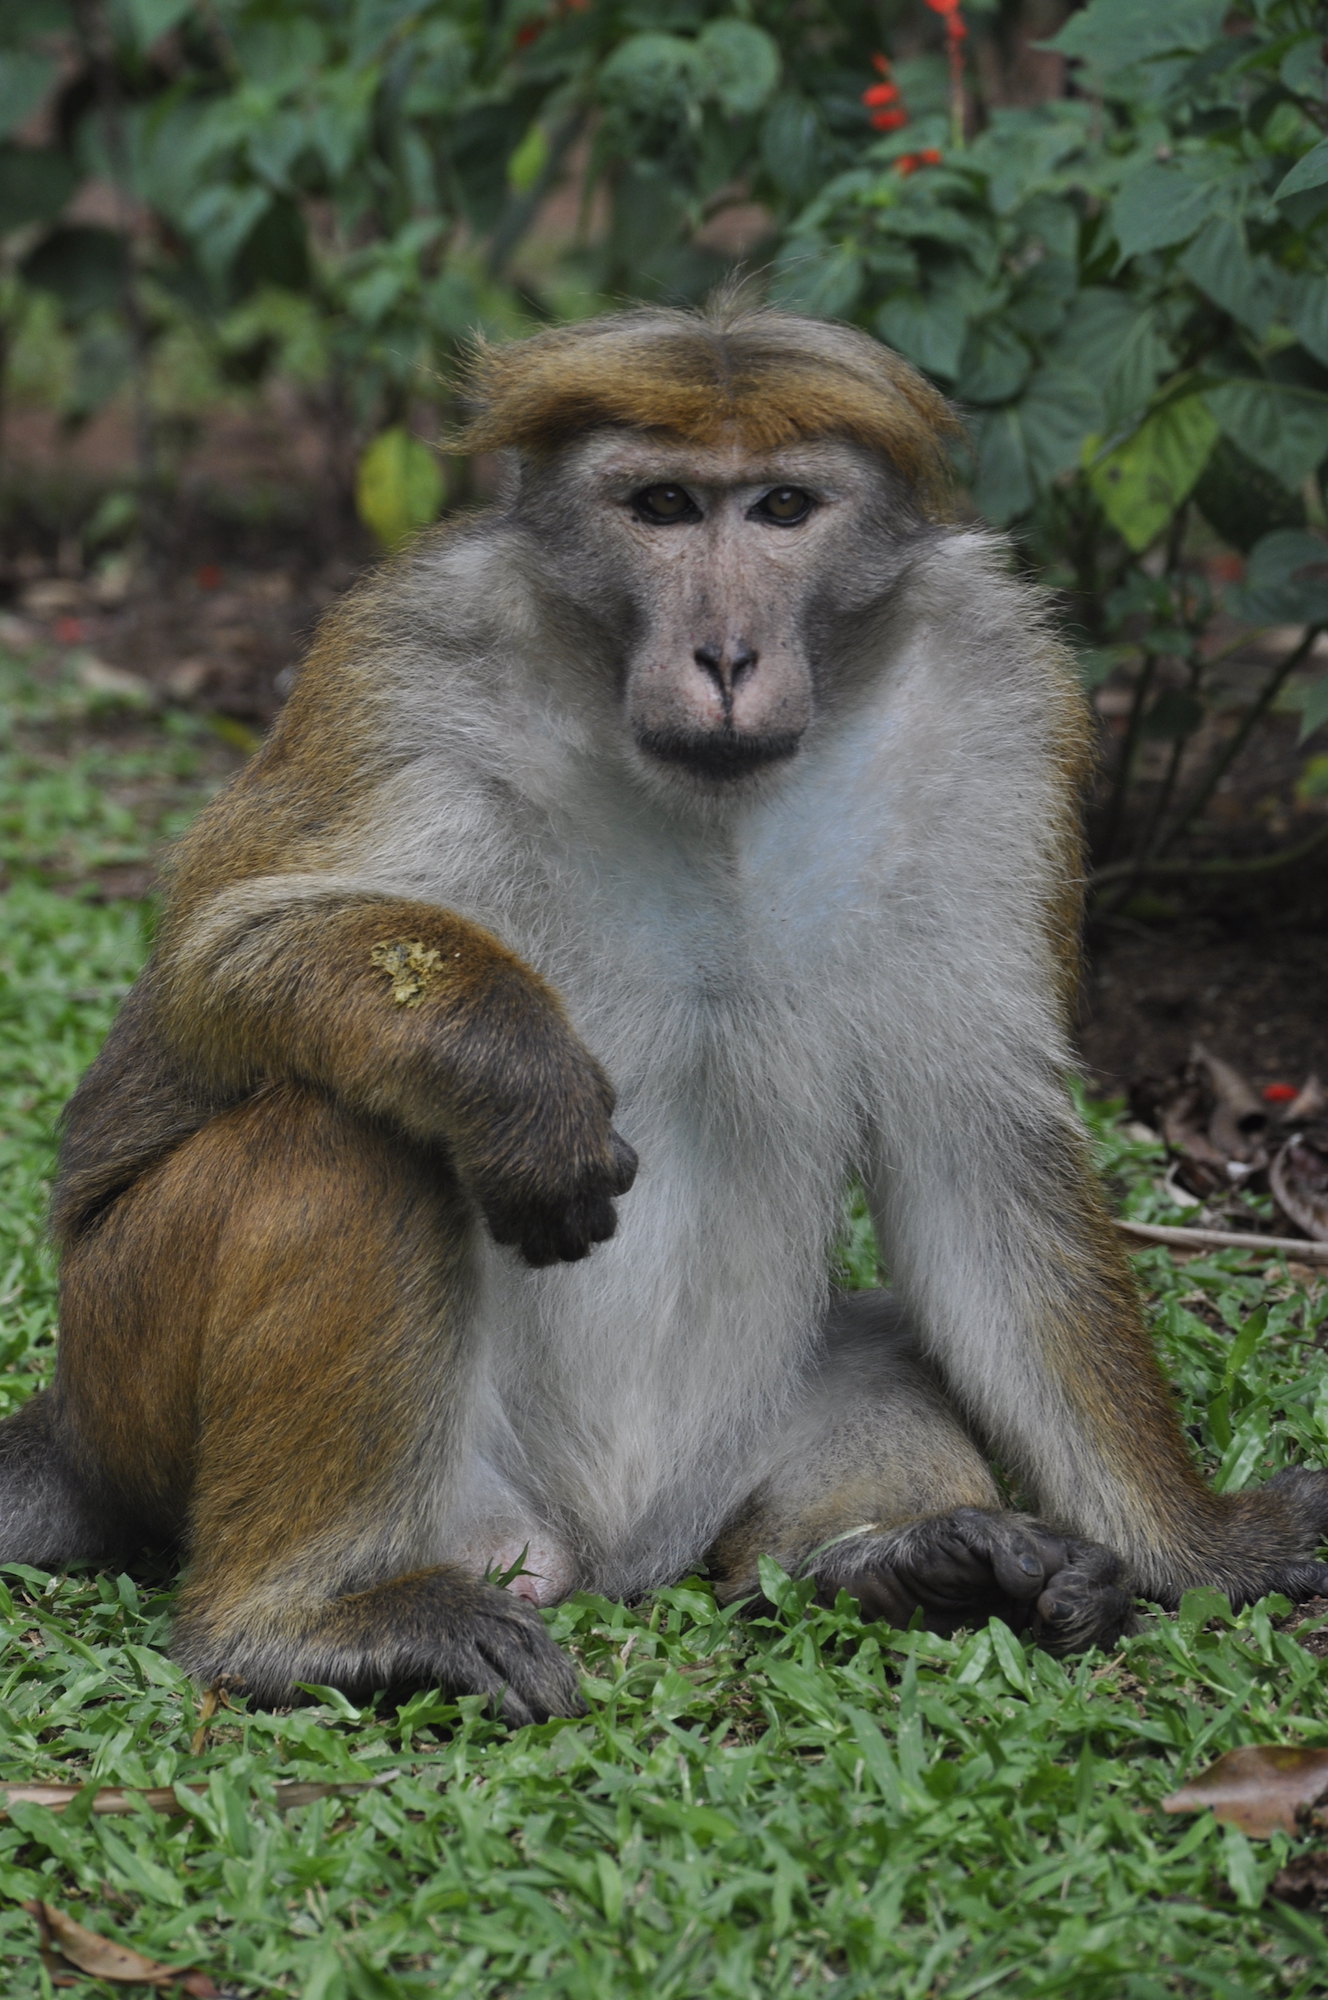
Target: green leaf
1116,34
1199,1608
1159,206
35,184
1309,173
1282,428
529,160
1004,487
931,330
1307,295
1251,289
154,18
220,221
995,364
792,144
1312,702
1286,581
824,280
1143,481
25,82
651,74
739,66
399,486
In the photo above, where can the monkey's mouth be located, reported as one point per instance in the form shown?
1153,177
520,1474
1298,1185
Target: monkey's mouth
718,753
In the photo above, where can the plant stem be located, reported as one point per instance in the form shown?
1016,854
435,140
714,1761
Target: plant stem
1260,864
1120,786
1226,758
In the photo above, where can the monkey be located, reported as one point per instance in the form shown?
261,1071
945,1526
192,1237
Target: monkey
446,1224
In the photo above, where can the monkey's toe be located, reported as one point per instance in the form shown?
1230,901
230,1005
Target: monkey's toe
1084,1603
963,1568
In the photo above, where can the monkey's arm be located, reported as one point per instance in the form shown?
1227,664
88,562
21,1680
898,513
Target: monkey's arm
997,1237
411,1016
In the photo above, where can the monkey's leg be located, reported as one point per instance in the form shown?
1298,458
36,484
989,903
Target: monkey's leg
999,1244
292,1290
877,1466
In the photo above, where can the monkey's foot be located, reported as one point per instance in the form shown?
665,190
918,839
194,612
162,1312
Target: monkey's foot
966,1567
434,1629
1265,1538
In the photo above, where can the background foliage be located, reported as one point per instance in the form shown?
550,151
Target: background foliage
1126,286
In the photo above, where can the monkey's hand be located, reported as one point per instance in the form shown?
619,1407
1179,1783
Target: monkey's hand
535,1141
974,1564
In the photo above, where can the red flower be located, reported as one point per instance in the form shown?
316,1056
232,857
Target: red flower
1280,1093
908,163
878,95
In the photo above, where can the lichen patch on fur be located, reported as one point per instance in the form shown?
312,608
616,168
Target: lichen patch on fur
410,965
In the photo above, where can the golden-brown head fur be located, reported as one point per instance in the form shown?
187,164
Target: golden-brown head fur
766,377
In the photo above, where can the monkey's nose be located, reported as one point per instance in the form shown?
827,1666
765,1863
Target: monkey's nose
727,664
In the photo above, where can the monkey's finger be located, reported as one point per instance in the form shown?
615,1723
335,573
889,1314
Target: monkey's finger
625,1164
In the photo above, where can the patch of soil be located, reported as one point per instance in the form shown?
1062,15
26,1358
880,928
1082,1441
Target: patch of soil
1244,970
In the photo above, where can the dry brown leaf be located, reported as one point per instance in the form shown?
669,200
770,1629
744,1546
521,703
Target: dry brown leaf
101,1958
1259,1788
160,1798
1298,1177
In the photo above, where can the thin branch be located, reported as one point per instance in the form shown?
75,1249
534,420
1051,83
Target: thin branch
1260,864
1226,758
1121,782
1291,1247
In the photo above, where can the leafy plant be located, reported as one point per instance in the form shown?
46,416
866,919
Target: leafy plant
1126,287
1128,291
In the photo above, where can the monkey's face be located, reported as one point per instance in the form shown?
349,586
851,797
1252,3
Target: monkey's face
712,574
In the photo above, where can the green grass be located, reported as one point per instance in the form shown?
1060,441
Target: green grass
790,1805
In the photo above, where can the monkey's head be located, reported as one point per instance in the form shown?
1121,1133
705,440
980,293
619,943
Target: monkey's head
714,497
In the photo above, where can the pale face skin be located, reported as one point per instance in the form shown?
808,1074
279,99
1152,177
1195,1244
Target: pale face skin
711,571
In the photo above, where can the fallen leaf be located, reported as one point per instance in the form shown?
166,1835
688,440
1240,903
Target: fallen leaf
101,1958
1298,1177
1302,1881
96,676
1258,1788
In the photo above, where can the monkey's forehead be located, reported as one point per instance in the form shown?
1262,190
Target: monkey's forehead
620,458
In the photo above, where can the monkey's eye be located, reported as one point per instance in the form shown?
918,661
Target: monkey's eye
785,504
665,504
